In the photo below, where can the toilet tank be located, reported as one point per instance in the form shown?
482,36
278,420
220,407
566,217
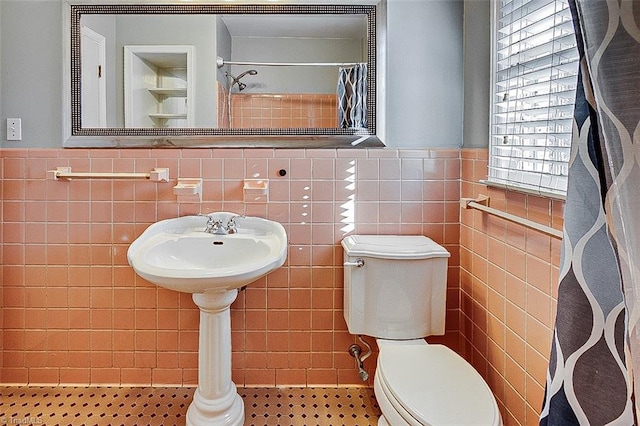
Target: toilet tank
400,290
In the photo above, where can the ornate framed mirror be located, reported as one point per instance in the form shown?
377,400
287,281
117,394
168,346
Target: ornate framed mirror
228,75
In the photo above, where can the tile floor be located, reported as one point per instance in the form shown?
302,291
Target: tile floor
67,405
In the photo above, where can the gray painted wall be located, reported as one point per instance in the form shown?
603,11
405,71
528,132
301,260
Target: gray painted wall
424,73
477,71
223,48
293,49
31,76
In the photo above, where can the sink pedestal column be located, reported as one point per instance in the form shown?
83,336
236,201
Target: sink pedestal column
216,400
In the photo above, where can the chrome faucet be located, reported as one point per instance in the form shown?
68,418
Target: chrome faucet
216,226
232,226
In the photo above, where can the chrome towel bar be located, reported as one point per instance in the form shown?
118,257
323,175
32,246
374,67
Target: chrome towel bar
65,173
482,204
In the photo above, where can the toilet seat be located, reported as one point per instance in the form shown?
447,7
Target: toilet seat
432,385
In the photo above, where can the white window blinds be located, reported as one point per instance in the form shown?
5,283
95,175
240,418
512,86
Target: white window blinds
533,93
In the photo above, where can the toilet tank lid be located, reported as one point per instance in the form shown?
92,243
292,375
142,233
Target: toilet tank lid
393,247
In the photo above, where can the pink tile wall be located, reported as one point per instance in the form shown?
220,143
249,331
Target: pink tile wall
75,312
508,291
273,110
284,110
264,110
1,274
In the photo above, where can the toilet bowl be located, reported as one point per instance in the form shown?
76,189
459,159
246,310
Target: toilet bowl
395,291
421,384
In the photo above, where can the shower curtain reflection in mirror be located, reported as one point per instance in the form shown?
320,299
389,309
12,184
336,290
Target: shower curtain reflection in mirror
352,97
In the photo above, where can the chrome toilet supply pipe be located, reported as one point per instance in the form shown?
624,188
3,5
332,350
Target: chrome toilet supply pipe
356,351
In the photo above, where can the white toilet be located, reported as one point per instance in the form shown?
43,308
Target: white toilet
395,291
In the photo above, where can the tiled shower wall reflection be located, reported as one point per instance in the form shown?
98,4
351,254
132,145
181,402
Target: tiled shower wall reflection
273,110
75,312
289,110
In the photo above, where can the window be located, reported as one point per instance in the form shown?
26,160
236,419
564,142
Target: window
535,68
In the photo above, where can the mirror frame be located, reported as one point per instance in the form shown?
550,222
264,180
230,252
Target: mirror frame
77,136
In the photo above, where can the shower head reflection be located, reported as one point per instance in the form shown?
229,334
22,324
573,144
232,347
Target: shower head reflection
236,80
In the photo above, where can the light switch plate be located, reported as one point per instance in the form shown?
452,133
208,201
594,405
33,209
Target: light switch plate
14,129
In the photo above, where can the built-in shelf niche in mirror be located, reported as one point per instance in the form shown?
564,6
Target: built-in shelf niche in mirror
236,95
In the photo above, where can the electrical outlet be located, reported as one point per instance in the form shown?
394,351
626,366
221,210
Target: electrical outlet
14,129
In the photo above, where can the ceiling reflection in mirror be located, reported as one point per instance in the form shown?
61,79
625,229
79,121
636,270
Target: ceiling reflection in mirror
158,70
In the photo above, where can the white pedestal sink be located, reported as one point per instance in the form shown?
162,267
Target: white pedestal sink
179,255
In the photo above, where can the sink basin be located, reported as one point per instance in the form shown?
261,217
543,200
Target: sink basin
179,255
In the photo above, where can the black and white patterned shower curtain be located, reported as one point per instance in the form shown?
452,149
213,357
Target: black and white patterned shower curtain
352,97
596,345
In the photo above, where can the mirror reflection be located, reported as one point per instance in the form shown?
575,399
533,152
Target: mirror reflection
222,71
